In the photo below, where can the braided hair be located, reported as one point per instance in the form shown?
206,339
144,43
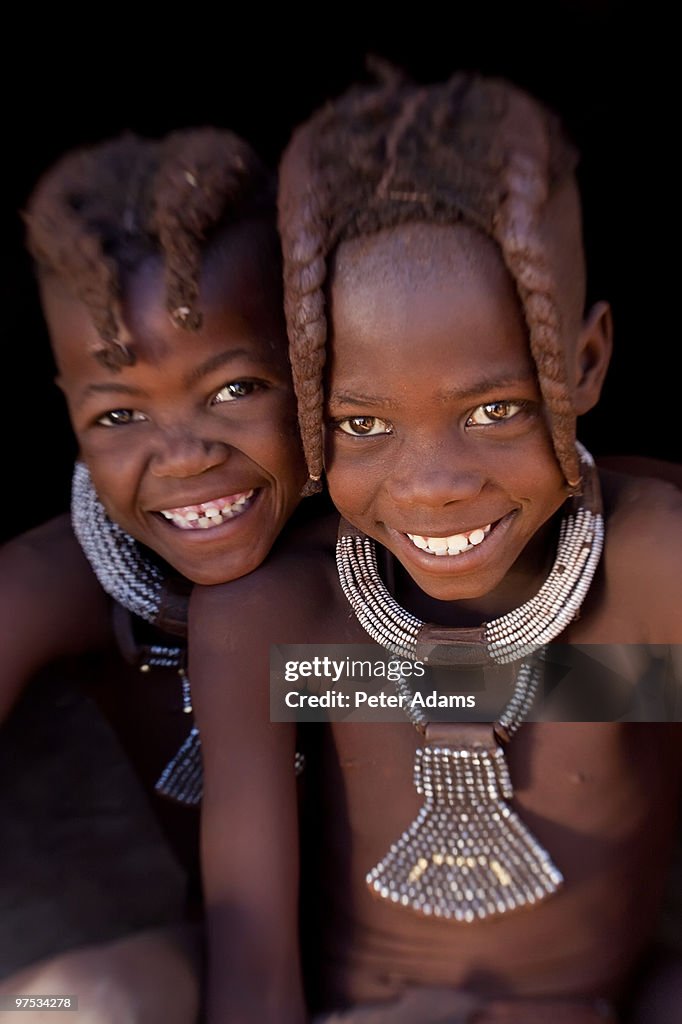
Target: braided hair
473,150
101,210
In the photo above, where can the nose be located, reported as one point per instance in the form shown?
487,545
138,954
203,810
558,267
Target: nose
181,454
432,473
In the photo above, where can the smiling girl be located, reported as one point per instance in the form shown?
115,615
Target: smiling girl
441,352
160,279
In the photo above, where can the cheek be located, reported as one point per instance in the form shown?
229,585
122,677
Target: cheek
276,446
281,456
351,491
108,446
354,473
540,471
114,474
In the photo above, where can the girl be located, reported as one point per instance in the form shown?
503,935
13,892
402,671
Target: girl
441,353
159,272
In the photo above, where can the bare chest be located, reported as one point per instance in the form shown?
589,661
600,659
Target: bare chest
601,798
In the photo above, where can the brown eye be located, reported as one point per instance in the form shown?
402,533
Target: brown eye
364,426
121,417
494,412
235,389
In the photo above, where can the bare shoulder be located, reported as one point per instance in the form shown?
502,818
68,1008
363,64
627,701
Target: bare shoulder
643,551
51,541
51,604
48,563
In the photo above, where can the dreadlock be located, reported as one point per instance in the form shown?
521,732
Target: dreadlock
101,210
472,150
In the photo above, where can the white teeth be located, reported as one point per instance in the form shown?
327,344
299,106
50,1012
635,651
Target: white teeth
457,544
453,545
210,514
421,542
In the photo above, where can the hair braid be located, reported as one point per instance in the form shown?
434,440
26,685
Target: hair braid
200,175
472,149
306,238
73,217
526,177
101,210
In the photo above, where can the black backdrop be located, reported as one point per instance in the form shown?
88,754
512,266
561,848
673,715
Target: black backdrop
259,76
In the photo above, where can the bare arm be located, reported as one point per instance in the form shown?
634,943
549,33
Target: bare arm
249,815
51,605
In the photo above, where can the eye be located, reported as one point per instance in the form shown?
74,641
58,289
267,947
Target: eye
364,426
121,417
495,412
236,389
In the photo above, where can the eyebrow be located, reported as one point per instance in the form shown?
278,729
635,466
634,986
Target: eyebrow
481,387
111,388
202,370
216,361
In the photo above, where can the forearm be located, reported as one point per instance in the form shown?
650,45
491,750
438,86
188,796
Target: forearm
250,856
249,981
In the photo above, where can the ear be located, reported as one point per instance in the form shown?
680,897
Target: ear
592,357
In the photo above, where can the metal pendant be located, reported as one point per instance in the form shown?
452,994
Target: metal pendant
182,778
467,856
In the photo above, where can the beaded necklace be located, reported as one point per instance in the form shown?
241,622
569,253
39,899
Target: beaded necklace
124,572
467,856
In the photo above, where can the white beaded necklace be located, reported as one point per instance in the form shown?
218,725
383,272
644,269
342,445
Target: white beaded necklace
124,573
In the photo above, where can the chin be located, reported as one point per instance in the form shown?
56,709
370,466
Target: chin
463,587
212,575
445,590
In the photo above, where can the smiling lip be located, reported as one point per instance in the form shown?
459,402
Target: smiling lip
207,515
454,552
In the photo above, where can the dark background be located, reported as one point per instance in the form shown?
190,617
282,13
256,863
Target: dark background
261,75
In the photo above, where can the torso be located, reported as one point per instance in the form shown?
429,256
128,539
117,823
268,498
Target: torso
601,797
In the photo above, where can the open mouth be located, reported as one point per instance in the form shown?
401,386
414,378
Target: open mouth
209,514
456,544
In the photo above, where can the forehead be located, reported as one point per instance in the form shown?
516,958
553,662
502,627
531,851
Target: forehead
412,254
239,298
424,276
407,253
243,267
